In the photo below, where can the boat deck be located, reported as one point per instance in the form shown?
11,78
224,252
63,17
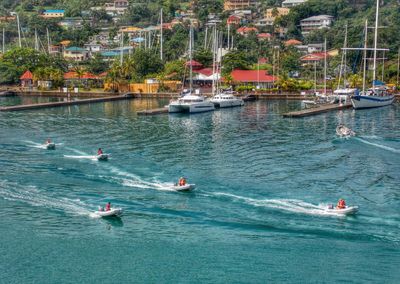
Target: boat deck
316,110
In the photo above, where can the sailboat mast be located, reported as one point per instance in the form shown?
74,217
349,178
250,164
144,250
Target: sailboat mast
365,54
161,34
4,43
190,57
325,67
375,42
214,50
398,64
343,61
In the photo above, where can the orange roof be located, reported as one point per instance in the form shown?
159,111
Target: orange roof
73,75
245,30
316,56
292,42
26,76
252,76
264,35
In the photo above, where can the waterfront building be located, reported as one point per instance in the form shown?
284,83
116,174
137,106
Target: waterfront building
254,78
26,79
315,23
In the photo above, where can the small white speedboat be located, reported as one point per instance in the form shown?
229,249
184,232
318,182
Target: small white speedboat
50,146
110,213
345,211
186,187
102,157
344,132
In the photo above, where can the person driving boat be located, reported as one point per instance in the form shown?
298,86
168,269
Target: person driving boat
341,204
182,181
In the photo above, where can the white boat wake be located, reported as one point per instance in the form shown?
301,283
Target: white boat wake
290,205
33,196
378,145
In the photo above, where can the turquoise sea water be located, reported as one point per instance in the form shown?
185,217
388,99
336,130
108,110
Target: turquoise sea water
256,215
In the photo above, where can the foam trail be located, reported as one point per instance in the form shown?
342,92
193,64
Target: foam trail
35,145
291,205
34,197
378,145
132,180
81,157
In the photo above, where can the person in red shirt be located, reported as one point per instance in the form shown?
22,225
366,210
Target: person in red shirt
99,152
341,204
108,206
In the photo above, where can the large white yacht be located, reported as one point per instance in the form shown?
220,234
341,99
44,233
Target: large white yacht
226,99
191,103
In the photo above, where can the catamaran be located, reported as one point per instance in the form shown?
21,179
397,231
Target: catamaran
190,102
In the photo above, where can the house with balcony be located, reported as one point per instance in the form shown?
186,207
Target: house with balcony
230,5
315,23
116,8
77,54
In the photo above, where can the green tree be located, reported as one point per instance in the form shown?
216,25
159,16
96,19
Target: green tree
204,56
234,60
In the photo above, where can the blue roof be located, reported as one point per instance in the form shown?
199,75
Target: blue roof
110,53
74,48
54,11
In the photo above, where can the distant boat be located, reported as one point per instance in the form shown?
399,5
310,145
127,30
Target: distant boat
344,132
50,146
226,99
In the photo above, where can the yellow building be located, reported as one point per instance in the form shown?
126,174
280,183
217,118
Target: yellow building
239,4
273,13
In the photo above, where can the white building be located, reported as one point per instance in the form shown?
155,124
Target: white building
292,3
315,23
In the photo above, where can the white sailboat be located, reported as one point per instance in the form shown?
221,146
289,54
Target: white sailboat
222,98
343,93
189,102
378,95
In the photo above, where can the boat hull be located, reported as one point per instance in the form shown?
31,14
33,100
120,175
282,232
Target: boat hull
102,157
227,103
191,108
360,102
50,146
345,211
186,187
110,213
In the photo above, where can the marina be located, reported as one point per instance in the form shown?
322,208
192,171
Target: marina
255,193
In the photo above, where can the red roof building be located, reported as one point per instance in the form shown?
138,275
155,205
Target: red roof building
26,79
72,75
264,36
246,30
292,42
314,57
253,77
233,20
195,65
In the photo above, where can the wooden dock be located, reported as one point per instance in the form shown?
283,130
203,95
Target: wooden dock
316,110
65,103
153,111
